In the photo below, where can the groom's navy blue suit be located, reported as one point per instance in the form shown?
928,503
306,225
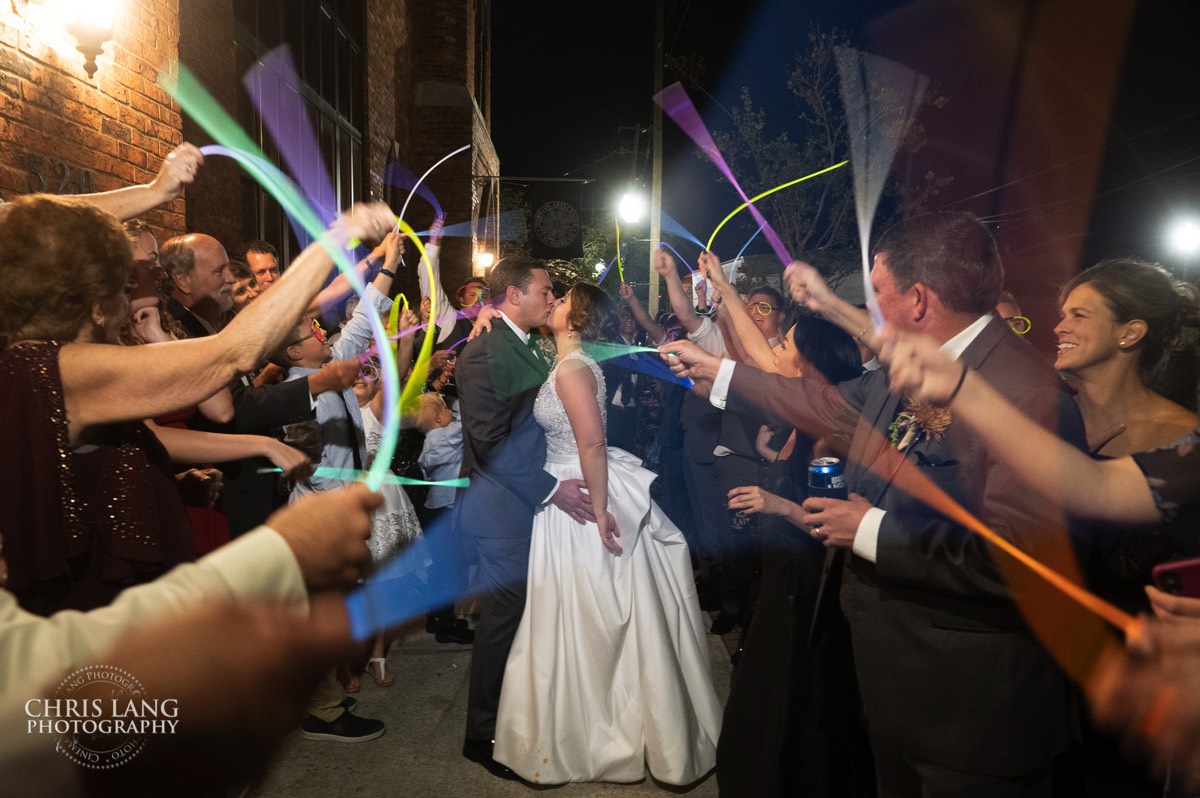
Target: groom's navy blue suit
504,453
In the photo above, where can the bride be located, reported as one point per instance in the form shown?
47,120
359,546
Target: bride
609,671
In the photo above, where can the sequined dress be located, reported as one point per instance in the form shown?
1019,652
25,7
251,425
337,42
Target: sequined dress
609,672
395,524
79,524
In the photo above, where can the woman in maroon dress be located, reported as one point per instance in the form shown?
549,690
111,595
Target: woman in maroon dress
86,489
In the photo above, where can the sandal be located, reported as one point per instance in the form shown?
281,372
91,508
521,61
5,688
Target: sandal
380,677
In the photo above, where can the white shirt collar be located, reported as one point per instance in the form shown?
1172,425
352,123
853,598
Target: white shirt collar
959,343
524,336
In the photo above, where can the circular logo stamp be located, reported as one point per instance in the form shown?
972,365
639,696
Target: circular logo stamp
556,224
101,716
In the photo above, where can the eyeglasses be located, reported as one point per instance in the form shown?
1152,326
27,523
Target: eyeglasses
318,332
369,372
1019,324
761,308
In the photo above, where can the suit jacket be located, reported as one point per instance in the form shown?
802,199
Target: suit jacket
504,449
188,319
949,670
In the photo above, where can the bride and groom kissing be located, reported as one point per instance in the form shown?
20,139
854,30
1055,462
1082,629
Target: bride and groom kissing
590,660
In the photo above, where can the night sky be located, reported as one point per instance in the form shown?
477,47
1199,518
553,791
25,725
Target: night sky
570,80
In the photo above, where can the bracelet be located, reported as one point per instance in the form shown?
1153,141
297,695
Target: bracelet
859,337
387,273
957,387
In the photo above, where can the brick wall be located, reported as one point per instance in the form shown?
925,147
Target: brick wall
206,46
446,116
63,133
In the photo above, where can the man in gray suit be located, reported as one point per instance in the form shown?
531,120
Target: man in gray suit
499,375
959,698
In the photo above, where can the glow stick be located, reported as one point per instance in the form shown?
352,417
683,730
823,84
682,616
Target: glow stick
196,102
670,225
604,273
350,475
408,199
685,263
767,193
401,177
881,98
620,270
677,105
748,240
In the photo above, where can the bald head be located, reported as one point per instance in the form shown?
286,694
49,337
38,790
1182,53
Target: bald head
198,267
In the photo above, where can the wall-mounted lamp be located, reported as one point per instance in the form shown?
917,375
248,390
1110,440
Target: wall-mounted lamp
91,23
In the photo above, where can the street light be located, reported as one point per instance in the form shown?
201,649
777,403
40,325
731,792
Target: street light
1184,238
632,207
484,260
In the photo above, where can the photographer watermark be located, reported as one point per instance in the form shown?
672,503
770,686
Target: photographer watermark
101,716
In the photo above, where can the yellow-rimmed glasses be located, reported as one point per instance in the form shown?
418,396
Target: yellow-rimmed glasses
1019,324
316,331
761,308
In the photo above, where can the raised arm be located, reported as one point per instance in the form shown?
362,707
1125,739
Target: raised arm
743,332
175,174
104,384
576,385
681,304
809,289
656,332
443,313
1111,490
404,356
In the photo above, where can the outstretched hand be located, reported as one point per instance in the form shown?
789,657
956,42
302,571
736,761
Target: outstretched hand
483,322
686,359
328,533
571,497
177,171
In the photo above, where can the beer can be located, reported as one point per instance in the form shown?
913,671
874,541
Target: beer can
827,478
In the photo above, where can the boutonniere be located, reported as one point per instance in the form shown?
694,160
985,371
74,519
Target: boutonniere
919,421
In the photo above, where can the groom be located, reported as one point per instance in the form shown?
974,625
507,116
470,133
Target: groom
499,374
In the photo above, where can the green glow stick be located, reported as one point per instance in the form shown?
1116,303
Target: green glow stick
196,101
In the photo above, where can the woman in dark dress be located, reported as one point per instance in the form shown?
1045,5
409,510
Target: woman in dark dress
791,719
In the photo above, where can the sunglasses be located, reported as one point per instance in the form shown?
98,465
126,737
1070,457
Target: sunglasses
761,308
318,332
1019,324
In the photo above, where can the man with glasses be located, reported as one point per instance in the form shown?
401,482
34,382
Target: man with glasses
1008,309
343,447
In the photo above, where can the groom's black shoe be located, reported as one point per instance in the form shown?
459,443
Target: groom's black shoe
481,751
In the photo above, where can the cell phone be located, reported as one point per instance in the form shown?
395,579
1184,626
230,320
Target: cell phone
1180,578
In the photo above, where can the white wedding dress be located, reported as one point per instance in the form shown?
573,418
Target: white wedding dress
609,672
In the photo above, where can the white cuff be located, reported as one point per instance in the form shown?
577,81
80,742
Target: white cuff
866,540
720,387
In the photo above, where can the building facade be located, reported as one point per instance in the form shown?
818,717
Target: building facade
381,83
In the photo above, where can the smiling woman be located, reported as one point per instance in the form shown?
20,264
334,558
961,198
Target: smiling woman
1130,338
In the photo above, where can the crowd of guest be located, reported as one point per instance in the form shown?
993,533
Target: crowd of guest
184,431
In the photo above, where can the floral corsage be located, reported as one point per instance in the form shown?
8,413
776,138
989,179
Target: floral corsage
919,421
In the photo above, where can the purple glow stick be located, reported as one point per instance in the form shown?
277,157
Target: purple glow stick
274,86
401,177
604,273
685,263
677,105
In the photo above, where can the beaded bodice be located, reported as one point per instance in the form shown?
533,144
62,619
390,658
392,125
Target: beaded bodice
552,416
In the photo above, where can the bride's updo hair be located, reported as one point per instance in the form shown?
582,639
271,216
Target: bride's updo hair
593,313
